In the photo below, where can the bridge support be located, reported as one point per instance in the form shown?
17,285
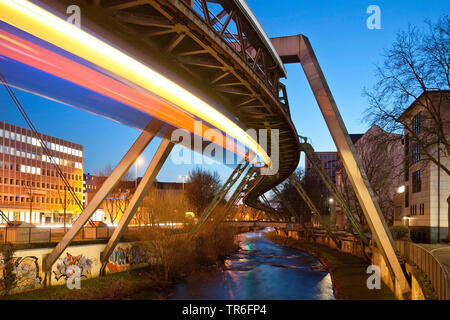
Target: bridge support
237,172
124,165
237,194
295,49
291,210
325,177
298,187
149,177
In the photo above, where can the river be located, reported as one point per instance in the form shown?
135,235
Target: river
260,270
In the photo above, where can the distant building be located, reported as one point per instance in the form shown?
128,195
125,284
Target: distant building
111,209
329,161
426,187
380,155
30,188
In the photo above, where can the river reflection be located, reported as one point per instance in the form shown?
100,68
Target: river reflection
261,269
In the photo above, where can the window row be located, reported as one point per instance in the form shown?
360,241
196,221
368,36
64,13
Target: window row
413,209
28,169
43,200
33,156
35,142
37,184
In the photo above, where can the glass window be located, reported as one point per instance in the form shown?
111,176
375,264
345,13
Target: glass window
417,181
416,154
417,123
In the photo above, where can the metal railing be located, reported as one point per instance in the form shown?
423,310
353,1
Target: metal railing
231,38
429,264
28,235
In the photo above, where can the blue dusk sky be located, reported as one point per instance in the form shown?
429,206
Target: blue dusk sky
346,49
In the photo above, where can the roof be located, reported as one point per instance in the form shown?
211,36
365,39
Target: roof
407,113
355,136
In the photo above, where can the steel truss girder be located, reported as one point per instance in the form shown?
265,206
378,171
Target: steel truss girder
127,161
159,158
237,172
325,177
242,186
298,187
296,49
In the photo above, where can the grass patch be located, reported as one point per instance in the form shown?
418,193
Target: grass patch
348,272
121,285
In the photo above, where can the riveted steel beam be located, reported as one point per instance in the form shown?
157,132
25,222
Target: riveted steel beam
130,157
298,49
149,177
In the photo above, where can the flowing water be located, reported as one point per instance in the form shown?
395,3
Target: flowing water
261,269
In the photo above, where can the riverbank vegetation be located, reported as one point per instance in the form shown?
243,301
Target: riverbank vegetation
348,272
173,255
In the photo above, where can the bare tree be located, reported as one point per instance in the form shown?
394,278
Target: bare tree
382,159
416,69
201,189
418,62
117,200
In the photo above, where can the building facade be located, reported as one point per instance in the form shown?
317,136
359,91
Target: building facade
380,154
426,186
31,189
329,161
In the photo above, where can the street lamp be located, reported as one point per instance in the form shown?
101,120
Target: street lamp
183,179
139,161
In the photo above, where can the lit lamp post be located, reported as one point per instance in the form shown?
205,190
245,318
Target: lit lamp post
332,212
139,161
184,178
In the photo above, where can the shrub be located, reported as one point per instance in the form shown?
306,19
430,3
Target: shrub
399,232
9,278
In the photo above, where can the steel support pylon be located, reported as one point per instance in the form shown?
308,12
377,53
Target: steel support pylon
295,49
298,187
237,172
325,177
291,210
149,177
124,165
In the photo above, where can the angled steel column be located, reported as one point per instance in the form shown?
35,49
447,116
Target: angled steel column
289,208
130,157
295,49
149,177
313,208
325,177
241,187
237,172
270,209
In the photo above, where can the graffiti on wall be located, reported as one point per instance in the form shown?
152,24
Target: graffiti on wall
27,272
63,270
123,258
